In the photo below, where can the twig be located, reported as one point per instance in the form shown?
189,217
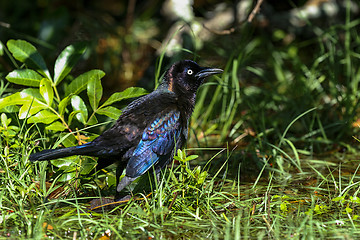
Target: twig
172,203
5,25
222,32
268,219
255,10
130,14
267,222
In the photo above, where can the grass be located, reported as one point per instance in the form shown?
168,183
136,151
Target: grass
318,202
316,199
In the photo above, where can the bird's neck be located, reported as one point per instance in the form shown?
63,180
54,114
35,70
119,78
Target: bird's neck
185,99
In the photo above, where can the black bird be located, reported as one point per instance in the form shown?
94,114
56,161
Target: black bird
149,130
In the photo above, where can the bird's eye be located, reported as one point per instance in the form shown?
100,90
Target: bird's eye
190,72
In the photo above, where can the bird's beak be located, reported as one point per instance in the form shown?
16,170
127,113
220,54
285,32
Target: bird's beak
205,72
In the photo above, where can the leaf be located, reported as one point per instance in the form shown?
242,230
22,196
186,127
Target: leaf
180,154
1,49
94,92
191,157
68,140
348,210
67,176
93,120
87,165
66,163
46,91
63,104
4,120
10,109
338,199
80,110
30,108
201,178
56,127
109,111
126,94
27,53
67,60
26,77
18,98
33,92
283,207
80,83
45,116
71,116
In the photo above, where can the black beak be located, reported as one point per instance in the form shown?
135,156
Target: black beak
205,72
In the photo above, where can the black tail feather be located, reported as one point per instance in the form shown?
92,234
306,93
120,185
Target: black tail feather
50,154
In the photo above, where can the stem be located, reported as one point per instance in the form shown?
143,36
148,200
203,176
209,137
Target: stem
56,93
92,115
62,119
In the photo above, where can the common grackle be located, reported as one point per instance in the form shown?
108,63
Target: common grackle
149,130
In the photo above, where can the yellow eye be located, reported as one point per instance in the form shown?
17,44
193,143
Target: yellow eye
190,72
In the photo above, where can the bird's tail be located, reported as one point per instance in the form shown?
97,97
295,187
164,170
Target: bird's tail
50,154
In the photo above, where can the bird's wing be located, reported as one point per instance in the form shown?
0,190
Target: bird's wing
158,140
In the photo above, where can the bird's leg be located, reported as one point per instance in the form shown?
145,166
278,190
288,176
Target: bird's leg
124,183
119,169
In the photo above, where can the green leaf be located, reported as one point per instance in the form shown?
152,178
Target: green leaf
80,83
10,109
201,178
109,111
4,120
93,120
67,164
45,116
30,108
46,91
33,92
348,210
27,53
18,98
80,110
63,104
191,157
56,127
180,154
26,77
67,176
338,199
67,60
87,165
94,92
71,116
30,104
1,49
68,140
283,207
126,94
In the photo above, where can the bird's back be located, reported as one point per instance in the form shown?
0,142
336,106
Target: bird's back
124,136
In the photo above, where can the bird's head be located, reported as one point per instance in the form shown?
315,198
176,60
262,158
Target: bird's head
185,77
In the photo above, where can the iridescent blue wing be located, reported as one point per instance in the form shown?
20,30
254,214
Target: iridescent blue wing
157,142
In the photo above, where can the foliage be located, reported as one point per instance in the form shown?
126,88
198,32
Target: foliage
42,103
57,101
